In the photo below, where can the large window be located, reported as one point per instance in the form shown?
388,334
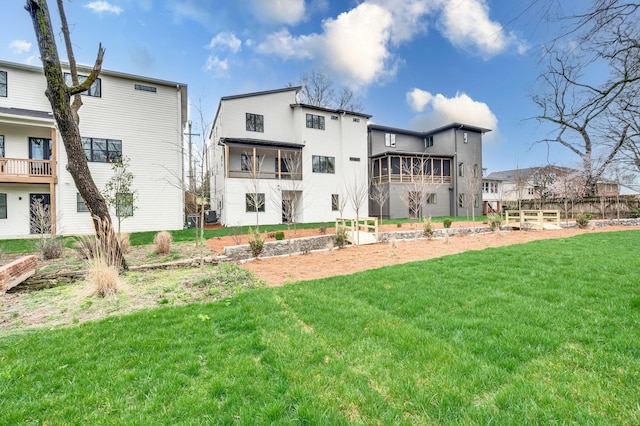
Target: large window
255,122
315,121
390,140
254,202
124,204
335,202
81,207
2,146
490,187
96,87
3,84
3,206
321,164
101,150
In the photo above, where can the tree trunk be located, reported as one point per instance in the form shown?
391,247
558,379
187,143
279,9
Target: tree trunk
59,96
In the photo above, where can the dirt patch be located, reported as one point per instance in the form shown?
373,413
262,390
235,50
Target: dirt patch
281,270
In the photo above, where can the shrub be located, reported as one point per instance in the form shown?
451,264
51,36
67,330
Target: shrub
162,240
447,222
427,227
341,236
280,235
86,246
103,278
51,248
271,235
323,230
495,220
582,219
256,243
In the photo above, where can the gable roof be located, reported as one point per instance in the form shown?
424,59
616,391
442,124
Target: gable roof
425,133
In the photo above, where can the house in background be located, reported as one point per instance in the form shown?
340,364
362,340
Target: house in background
273,159
445,162
123,115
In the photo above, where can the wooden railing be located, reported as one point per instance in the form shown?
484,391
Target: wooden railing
366,224
522,217
264,175
24,169
407,178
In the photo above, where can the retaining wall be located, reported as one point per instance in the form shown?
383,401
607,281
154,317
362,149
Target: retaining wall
17,271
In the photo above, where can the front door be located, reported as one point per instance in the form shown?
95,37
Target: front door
39,149
40,213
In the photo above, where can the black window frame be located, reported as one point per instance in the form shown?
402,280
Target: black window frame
81,206
250,204
95,91
315,121
96,154
335,202
4,85
323,164
145,88
2,152
254,122
4,206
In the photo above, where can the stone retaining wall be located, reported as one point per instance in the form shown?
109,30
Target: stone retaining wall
280,248
17,271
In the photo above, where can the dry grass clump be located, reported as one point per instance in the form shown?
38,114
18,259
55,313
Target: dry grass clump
103,277
125,243
163,240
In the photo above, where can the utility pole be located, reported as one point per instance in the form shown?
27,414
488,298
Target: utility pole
192,186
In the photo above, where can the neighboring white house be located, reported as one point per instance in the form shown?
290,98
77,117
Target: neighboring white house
123,115
273,159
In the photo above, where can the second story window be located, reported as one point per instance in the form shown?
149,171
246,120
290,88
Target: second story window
3,84
1,145
321,164
390,140
315,121
100,150
255,122
95,90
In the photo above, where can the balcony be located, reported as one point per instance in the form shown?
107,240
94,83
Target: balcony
25,170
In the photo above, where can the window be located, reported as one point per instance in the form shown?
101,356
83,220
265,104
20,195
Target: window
81,207
390,140
315,121
356,120
100,150
334,117
124,204
95,90
490,187
2,146
246,161
465,138
3,84
321,164
428,141
461,200
475,170
145,88
461,169
3,206
529,191
354,159
432,199
255,122
335,202
254,202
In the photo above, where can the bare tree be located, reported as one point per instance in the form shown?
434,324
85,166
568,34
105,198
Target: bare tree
66,115
291,189
379,194
357,191
422,185
472,189
595,119
118,191
254,198
319,90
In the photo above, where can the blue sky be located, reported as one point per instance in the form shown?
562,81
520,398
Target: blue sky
415,64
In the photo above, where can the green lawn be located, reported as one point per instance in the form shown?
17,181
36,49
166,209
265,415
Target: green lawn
542,333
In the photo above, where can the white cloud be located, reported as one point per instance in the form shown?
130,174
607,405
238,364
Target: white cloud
283,44
279,11
418,99
228,40
216,65
20,46
356,44
466,24
458,109
103,7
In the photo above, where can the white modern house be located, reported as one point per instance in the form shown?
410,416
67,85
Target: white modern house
273,159
123,115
